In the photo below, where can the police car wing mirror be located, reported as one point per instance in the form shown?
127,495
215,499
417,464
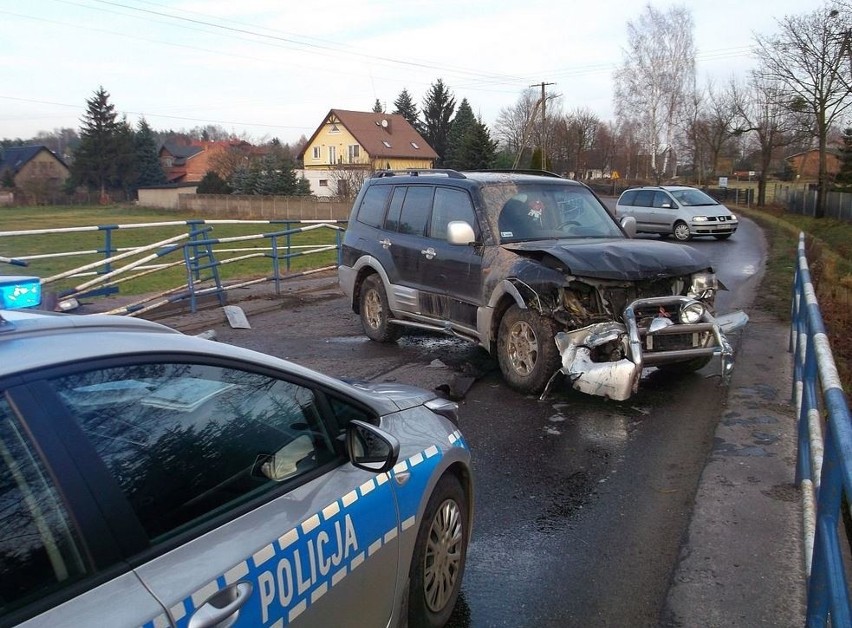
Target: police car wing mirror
370,448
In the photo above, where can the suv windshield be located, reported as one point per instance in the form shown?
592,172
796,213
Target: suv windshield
692,197
538,211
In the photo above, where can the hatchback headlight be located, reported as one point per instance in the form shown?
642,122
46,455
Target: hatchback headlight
692,312
704,285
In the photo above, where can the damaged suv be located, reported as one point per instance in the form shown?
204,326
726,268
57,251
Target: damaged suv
532,267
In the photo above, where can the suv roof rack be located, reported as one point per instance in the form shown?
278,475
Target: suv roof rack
542,173
416,172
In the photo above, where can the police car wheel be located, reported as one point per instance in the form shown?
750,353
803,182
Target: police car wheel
439,556
375,312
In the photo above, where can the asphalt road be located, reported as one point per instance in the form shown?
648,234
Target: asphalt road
582,504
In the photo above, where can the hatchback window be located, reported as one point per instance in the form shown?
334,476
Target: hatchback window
691,197
450,205
373,205
628,197
661,199
644,198
186,441
38,547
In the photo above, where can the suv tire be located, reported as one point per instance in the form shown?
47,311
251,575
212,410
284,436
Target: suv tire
526,349
375,312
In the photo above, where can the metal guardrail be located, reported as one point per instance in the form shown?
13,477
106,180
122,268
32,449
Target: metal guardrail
194,250
824,460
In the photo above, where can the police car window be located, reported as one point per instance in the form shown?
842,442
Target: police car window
38,547
373,205
187,441
449,205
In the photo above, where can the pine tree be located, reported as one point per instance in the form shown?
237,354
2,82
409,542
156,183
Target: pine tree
461,125
404,106
438,108
148,167
212,183
844,177
478,150
377,107
96,159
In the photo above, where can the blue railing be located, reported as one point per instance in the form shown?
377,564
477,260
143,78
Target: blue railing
824,461
194,250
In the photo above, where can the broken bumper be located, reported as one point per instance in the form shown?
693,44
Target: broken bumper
660,342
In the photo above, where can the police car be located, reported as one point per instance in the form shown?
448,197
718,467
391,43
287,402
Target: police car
149,478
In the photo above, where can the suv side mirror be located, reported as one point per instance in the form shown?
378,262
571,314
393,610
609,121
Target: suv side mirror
459,232
628,223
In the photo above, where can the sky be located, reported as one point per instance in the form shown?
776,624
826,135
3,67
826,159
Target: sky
264,69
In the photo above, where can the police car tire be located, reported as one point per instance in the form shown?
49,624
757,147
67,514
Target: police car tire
448,493
547,359
372,294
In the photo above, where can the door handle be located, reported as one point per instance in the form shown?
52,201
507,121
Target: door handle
385,243
222,609
429,253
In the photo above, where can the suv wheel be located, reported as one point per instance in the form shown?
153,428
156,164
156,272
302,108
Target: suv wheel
681,232
375,312
526,351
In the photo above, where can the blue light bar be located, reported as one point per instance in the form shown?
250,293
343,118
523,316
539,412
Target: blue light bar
19,292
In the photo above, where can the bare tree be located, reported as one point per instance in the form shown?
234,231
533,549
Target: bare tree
716,126
348,180
579,132
808,59
762,110
519,127
659,66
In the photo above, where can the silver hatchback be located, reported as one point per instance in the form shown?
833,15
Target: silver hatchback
149,478
679,211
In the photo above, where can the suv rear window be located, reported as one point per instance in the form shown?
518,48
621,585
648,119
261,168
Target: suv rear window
373,206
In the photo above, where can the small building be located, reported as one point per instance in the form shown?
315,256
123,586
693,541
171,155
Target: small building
356,141
36,173
189,162
806,163
165,196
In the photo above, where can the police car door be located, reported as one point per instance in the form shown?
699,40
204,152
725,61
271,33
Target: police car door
252,515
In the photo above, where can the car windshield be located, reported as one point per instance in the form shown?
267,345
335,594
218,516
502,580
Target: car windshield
541,211
693,197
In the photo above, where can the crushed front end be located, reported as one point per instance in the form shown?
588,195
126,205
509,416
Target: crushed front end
677,331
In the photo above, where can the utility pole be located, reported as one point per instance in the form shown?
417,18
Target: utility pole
543,124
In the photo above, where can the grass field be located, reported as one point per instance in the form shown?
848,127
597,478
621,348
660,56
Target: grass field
75,249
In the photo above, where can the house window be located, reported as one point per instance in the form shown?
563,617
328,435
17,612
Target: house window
334,129
323,183
414,144
386,143
332,154
354,152
317,152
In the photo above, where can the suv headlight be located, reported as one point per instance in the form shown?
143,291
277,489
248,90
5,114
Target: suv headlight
704,285
692,312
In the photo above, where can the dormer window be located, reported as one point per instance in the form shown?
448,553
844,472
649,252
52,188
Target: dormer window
386,143
414,144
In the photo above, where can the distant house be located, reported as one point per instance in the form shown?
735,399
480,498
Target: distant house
188,163
365,141
36,172
806,163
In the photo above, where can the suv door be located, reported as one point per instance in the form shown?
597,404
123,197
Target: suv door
454,270
248,511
